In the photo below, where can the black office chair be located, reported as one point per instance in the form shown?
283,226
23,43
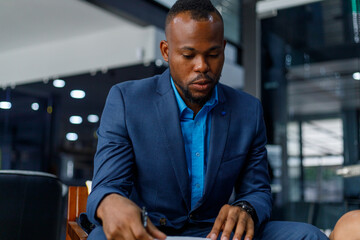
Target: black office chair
30,205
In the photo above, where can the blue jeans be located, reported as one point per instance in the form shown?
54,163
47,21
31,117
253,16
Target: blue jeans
274,230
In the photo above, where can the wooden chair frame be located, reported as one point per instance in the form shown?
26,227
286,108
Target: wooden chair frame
77,199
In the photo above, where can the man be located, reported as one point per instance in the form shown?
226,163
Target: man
189,149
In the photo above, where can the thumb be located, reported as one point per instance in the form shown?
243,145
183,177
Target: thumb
154,232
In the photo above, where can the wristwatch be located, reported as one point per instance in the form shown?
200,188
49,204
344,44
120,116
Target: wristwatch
249,209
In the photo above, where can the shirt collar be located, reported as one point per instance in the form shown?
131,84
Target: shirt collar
182,106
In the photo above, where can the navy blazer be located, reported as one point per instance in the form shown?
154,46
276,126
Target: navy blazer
141,155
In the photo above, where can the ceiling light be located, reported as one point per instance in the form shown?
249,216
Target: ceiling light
71,136
93,118
356,76
59,83
78,94
75,119
35,106
5,105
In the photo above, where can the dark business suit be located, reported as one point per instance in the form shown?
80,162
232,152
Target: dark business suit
141,154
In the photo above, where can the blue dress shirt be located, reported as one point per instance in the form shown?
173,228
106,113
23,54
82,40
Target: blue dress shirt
196,135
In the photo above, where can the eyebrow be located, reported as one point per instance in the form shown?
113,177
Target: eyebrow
193,49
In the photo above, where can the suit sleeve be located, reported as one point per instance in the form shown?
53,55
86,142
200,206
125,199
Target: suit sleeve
113,163
253,185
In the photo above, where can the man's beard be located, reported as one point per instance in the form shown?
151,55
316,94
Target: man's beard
198,100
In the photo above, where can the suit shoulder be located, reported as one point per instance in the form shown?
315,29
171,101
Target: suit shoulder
138,87
139,83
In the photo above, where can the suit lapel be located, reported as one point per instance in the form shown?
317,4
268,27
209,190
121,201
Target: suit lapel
168,115
220,121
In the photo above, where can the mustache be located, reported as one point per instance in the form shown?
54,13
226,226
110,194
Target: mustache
202,76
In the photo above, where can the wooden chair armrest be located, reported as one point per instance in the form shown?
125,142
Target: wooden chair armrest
77,198
76,232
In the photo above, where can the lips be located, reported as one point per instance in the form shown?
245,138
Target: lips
202,85
202,81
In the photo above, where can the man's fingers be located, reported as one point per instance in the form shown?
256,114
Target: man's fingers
245,225
126,235
232,218
212,235
218,225
249,230
154,232
140,233
231,221
114,235
240,228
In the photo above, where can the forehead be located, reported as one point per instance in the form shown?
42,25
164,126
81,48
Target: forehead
184,29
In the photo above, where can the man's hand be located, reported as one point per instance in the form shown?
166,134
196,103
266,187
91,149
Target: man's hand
230,218
121,220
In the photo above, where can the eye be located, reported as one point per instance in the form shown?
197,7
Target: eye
188,56
215,55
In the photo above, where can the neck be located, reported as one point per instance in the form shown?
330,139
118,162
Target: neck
193,106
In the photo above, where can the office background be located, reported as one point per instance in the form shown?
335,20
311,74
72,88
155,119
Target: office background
300,57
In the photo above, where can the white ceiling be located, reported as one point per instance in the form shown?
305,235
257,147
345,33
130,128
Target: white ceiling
25,23
45,39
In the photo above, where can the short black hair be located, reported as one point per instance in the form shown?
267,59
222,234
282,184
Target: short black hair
199,9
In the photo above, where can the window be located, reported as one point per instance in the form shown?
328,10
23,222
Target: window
315,149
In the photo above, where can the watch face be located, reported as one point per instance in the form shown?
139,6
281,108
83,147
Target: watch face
246,208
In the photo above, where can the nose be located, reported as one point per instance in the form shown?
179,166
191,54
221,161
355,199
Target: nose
201,65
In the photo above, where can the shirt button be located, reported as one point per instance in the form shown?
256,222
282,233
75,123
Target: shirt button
191,216
197,185
197,154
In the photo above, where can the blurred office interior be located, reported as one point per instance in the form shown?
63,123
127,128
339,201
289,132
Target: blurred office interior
300,57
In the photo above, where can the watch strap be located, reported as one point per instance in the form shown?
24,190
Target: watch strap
249,209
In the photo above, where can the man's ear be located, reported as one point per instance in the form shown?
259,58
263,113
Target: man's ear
164,50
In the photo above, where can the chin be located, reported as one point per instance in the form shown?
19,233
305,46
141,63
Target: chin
200,99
